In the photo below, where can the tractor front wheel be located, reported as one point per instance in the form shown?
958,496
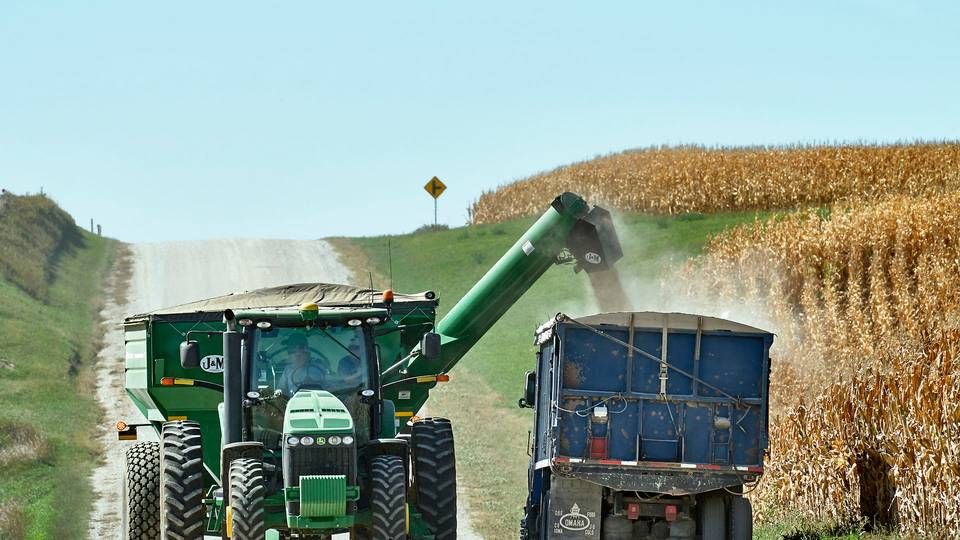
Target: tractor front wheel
181,482
141,492
247,490
435,475
388,498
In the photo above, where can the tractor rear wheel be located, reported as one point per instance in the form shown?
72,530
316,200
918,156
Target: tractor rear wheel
388,498
141,492
247,490
435,475
181,482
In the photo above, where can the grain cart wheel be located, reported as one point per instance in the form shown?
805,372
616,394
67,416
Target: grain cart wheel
435,476
247,490
740,519
388,498
713,518
141,492
181,482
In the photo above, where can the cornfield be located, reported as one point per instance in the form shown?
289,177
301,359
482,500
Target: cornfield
673,180
866,383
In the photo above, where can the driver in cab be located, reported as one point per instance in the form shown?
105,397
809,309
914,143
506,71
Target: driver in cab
301,369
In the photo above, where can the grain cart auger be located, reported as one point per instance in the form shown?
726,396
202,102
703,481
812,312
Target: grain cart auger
285,412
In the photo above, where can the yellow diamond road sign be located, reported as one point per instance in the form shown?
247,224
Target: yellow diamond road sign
435,187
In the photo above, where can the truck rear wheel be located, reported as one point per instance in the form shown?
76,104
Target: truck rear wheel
181,482
435,475
388,498
713,518
616,528
741,519
247,490
141,492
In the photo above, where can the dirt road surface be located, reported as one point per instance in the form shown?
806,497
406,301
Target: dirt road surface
171,273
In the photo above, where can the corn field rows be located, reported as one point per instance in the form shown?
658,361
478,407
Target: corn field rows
674,180
866,384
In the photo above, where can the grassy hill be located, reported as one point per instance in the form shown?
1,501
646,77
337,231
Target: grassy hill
50,275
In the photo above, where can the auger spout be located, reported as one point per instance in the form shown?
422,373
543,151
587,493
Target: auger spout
569,229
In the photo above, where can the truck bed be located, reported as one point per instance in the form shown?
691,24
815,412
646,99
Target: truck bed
682,410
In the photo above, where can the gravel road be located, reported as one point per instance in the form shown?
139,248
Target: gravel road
171,273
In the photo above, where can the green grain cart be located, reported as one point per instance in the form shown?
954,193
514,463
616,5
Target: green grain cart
289,412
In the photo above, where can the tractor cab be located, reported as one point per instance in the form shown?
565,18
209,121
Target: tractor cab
300,358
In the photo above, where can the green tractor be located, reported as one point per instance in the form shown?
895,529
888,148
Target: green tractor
289,412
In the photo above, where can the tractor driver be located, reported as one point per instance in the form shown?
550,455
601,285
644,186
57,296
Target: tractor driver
301,369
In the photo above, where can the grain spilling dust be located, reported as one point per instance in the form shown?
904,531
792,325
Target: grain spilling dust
675,287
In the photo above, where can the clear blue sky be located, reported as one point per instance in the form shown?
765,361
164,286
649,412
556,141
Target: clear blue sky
185,120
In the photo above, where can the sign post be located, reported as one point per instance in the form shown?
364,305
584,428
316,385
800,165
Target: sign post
435,188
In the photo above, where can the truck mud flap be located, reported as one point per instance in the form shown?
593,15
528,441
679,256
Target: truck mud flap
574,509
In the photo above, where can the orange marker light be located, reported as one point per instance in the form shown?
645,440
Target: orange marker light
443,377
121,425
388,296
166,381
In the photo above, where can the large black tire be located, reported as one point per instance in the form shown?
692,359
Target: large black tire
181,487
141,492
388,498
247,491
740,519
616,528
435,476
713,518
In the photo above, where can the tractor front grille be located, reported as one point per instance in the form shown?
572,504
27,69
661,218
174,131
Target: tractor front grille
324,459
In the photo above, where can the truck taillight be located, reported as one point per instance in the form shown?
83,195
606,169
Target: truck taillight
633,510
670,512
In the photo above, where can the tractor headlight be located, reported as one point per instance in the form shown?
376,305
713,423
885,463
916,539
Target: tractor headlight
306,441
245,322
293,441
334,440
348,440
373,320
354,322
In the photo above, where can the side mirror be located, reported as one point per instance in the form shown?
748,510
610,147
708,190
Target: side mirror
529,398
430,345
189,354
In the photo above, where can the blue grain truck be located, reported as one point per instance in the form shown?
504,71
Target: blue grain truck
646,426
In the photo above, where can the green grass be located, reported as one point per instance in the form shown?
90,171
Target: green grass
489,428
48,393
34,234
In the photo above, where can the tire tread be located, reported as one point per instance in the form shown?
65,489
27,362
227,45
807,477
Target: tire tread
247,492
435,475
388,498
141,519
182,513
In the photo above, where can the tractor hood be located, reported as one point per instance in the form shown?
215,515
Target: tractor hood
311,411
